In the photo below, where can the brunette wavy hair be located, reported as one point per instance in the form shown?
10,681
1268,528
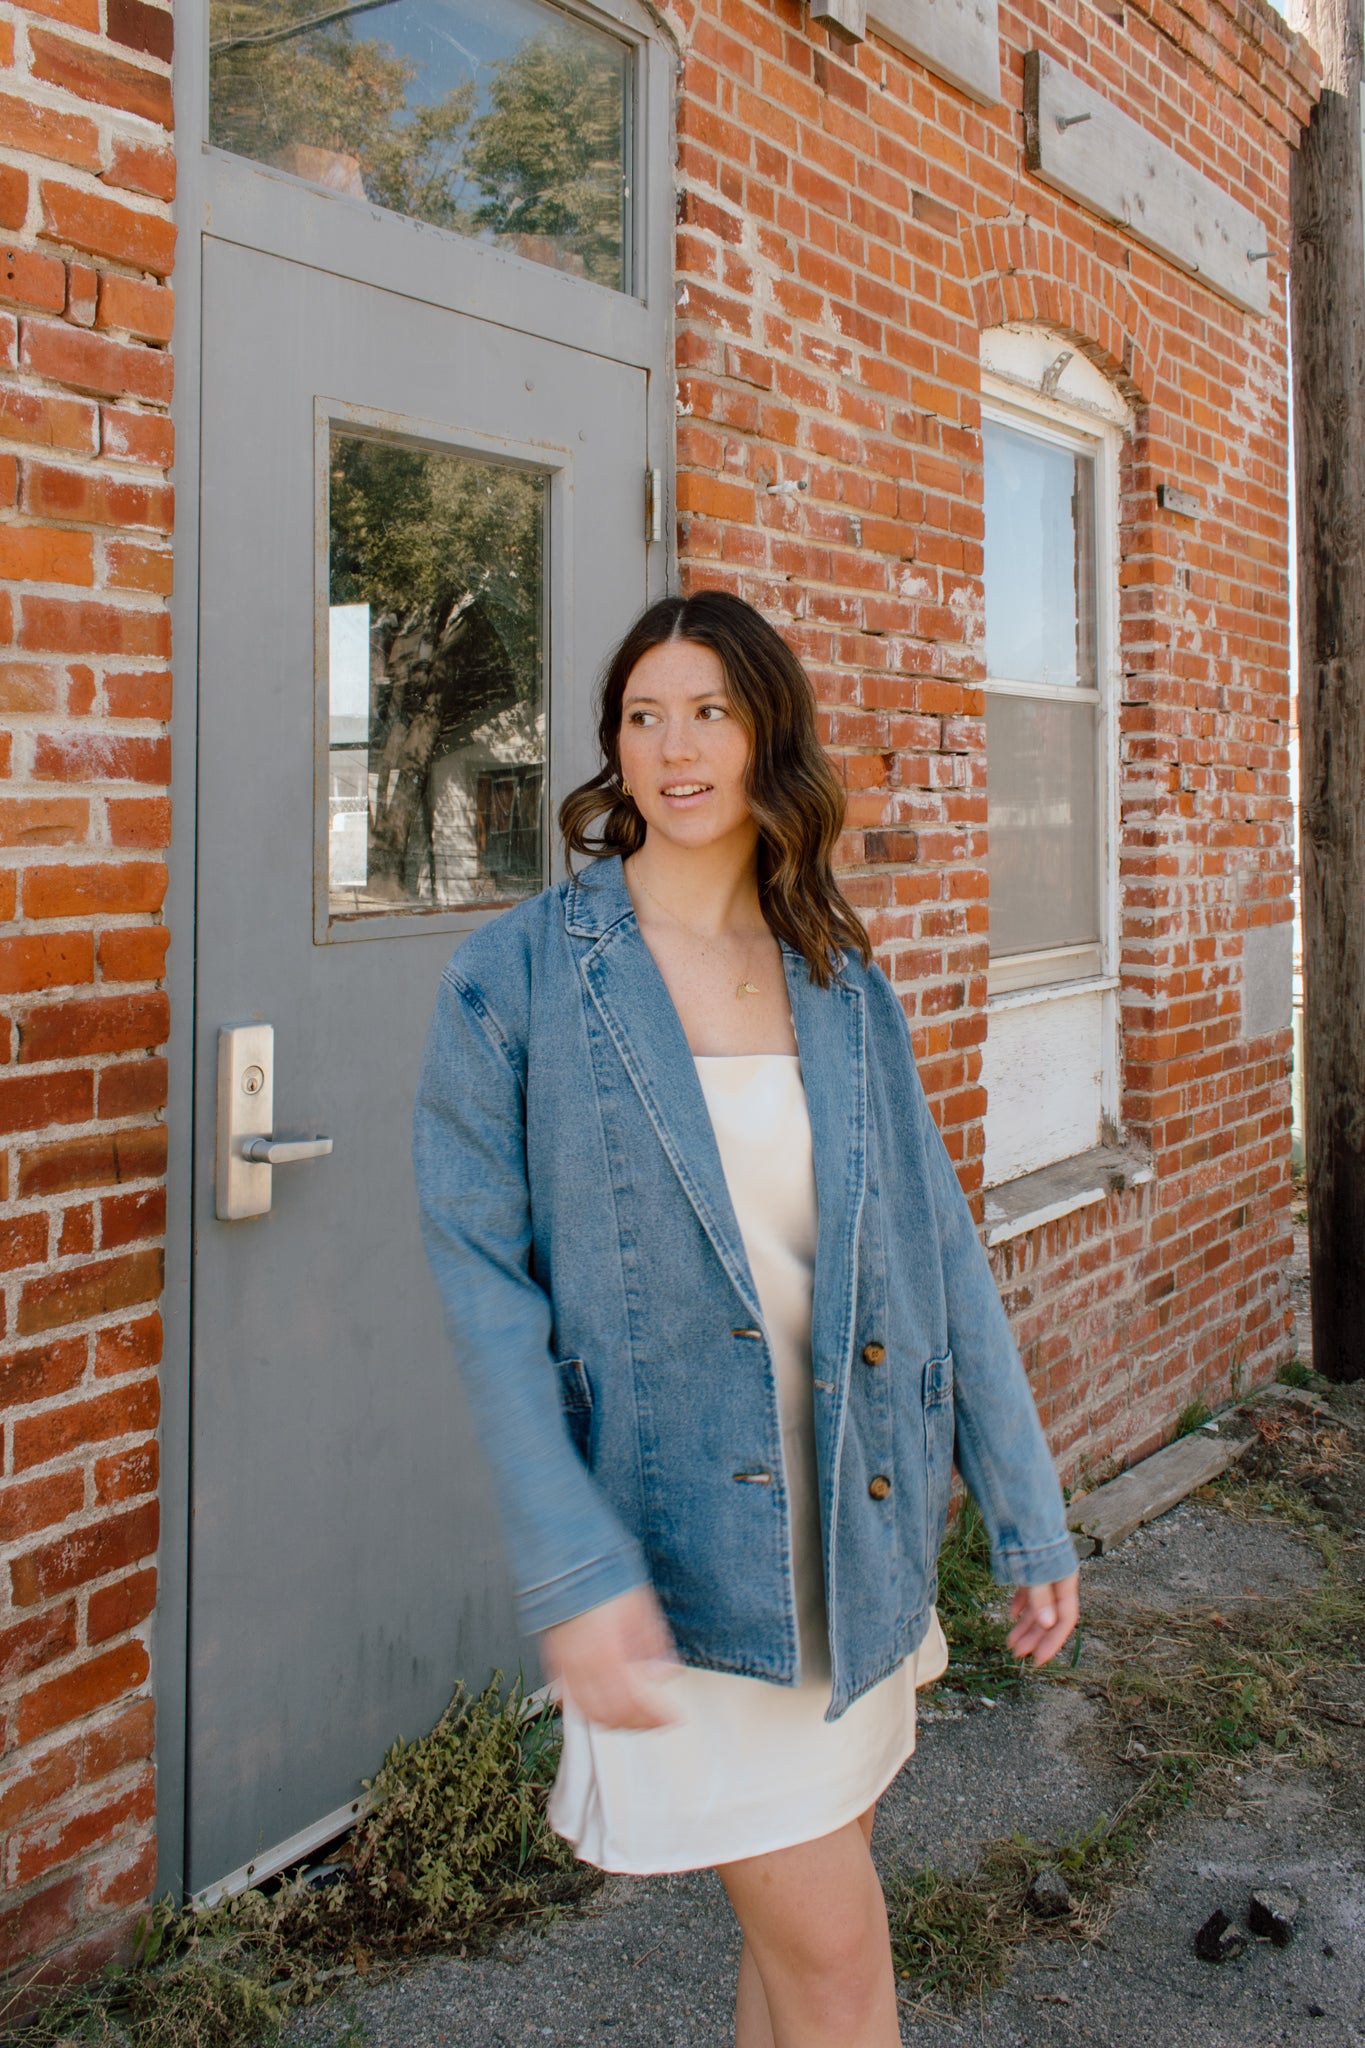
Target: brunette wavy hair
793,792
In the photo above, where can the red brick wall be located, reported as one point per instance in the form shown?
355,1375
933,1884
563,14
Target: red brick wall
87,173
848,226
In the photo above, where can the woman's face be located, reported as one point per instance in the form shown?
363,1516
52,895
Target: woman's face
682,749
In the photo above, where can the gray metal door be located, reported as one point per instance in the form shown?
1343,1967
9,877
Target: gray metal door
420,534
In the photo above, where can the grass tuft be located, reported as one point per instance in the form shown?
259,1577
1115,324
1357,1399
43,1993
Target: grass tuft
1295,1374
455,1842
971,1607
954,1937
1192,1416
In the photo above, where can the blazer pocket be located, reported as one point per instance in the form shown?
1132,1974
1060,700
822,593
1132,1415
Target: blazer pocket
575,1398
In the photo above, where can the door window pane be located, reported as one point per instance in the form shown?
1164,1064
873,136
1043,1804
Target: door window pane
1040,565
435,680
1042,822
507,120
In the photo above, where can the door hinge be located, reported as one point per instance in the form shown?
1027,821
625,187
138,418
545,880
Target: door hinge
654,504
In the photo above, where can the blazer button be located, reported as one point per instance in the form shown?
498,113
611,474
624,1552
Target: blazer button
874,1354
879,1487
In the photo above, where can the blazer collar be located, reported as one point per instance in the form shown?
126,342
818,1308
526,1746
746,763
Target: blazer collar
635,1007
596,898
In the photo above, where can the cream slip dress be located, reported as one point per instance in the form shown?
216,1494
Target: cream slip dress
748,1766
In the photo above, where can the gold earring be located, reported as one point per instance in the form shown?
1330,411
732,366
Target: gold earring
625,788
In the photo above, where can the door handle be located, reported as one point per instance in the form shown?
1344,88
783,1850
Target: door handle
247,1149
285,1151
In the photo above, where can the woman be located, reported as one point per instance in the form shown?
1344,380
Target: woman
724,1320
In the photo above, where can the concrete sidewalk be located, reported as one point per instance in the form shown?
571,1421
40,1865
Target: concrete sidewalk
650,1962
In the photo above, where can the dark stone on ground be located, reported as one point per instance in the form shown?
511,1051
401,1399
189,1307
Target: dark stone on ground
1047,1895
1218,1940
1273,1914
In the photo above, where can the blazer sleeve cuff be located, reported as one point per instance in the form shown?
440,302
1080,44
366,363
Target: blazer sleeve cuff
588,1585
1035,1567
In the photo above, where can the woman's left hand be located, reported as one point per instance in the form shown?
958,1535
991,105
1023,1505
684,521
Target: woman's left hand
1044,1616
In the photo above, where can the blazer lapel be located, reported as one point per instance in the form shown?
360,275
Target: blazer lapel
831,1038
637,1011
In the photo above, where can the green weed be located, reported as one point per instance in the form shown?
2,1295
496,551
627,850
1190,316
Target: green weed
1280,1500
455,1842
971,1608
1237,1371
1192,1416
955,1937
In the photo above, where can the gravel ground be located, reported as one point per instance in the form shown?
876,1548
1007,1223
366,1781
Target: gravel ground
1198,1556
650,1962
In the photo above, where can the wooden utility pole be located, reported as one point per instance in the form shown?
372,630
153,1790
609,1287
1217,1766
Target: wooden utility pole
1327,283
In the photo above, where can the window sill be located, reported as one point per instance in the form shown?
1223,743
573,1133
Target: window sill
1048,991
1018,1206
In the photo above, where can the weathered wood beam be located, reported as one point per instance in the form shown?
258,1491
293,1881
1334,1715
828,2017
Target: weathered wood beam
1147,1490
1080,143
956,39
1327,274
847,18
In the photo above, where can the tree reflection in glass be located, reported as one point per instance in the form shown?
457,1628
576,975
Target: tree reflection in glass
502,119
436,703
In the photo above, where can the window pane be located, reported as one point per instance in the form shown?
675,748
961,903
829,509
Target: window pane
503,119
435,687
1040,560
1043,822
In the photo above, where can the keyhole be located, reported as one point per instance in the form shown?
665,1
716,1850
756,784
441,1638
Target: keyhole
253,1080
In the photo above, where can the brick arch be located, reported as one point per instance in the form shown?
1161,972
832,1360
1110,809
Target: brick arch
1017,271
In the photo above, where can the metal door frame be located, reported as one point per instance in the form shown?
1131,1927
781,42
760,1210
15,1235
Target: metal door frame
237,201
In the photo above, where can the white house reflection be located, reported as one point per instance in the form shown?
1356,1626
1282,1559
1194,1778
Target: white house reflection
435,690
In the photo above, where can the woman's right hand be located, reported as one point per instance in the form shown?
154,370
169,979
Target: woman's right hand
607,1662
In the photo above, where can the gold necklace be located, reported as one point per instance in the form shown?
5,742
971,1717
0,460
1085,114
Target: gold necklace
745,986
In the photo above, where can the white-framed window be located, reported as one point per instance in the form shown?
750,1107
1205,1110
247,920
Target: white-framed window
1052,435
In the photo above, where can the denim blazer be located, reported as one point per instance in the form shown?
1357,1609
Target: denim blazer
609,1333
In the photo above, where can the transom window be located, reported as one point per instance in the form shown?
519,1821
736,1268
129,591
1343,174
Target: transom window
507,120
1051,435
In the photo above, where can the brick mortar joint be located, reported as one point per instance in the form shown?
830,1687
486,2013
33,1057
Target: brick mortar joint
83,1195
79,1459
90,182
99,42
52,1741
82,1462
59,1263
41,384
77,1799
89,1379
94,1518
